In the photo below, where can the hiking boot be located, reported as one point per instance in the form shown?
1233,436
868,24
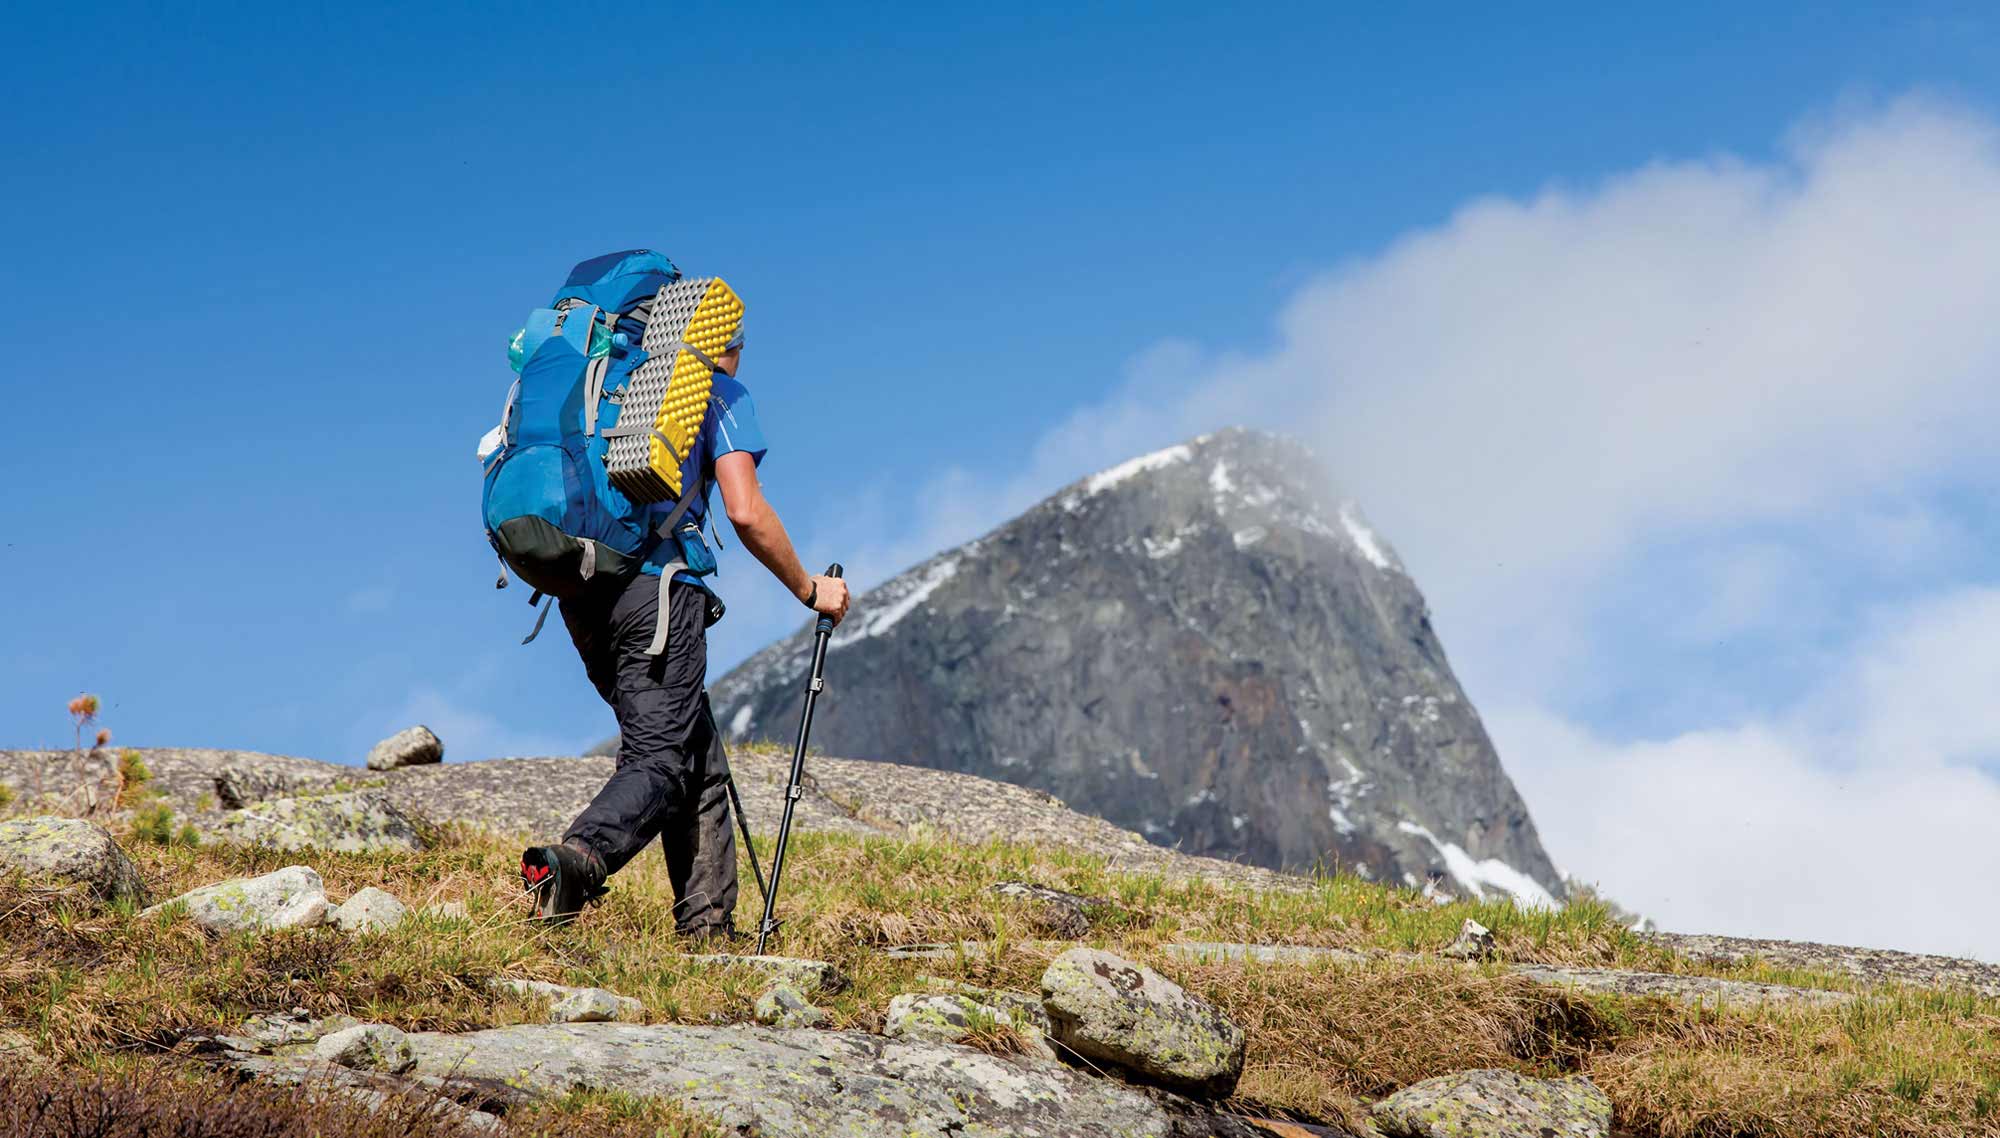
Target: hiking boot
562,879
722,935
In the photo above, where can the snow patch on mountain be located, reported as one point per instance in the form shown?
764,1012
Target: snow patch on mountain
1364,538
892,602
1104,480
1480,875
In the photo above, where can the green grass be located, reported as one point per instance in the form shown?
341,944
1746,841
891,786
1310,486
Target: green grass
90,982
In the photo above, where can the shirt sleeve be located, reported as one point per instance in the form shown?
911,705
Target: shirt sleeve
734,424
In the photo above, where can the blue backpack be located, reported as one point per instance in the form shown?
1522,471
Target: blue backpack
551,510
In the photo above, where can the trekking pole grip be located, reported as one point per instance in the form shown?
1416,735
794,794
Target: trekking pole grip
824,626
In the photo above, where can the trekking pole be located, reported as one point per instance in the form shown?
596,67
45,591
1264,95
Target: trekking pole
719,758
743,824
822,630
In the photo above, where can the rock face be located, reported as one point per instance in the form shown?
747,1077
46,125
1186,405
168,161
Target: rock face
819,1084
1496,1104
1200,645
292,897
361,821
1105,1007
414,746
56,850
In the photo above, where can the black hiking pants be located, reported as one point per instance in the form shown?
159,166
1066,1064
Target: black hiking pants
672,777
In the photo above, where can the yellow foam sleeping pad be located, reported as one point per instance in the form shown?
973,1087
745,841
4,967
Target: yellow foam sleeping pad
665,401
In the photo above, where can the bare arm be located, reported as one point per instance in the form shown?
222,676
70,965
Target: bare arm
757,525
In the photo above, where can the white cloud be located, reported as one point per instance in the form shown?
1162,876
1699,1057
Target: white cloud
1854,817
1735,391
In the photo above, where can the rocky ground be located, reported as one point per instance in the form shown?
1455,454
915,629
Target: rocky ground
967,958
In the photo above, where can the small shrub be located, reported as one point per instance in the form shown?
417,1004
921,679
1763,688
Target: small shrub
154,822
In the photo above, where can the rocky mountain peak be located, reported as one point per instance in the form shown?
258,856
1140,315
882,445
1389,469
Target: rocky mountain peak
1203,644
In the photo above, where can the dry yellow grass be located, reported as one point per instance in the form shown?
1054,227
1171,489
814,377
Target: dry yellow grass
90,982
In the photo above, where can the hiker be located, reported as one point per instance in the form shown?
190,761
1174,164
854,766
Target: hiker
639,617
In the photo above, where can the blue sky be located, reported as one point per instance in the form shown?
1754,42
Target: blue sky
266,262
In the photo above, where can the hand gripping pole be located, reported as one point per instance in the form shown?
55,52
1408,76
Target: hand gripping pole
822,630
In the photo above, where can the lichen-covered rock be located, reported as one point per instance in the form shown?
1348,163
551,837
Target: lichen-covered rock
573,1005
1107,1008
282,1029
369,910
1067,916
1022,1006
808,976
368,1047
240,784
952,1017
292,897
589,1005
1496,1104
359,821
411,747
820,1084
783,1005
48,849
448,911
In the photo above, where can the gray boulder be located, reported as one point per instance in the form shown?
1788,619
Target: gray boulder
783,1005
573,1005
242,783
283,1029
952,1017
292,897
369,910
49,849
360,821
819,1084
807,976
368,1047
590,1005
1021,1006
448,911
1066,916
1109,1009
1496,1104
1475,942
411,747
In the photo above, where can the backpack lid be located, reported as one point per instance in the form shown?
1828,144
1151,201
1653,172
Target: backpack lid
617,281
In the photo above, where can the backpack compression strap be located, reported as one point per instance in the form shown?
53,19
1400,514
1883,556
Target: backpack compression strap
665,532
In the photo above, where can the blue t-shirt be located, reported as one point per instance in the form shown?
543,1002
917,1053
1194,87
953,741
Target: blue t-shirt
729,428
